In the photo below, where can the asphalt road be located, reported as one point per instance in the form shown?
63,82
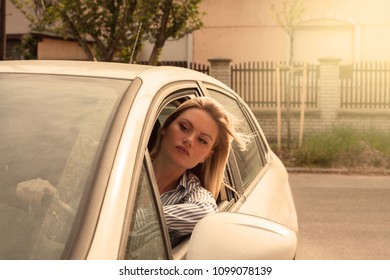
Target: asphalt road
342,216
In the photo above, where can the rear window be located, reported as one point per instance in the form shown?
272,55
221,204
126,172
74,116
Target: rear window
52,128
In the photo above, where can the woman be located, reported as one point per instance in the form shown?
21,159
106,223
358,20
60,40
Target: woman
189,162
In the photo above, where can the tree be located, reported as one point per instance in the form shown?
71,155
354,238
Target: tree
28,47
108,28
288,16
173,19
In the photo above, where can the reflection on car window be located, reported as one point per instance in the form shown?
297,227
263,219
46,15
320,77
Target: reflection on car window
249,161
146,239
52,127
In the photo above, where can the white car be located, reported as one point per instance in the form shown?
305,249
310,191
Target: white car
85,127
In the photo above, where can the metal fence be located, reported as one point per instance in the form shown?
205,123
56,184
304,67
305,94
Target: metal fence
365,85
256,83
194,66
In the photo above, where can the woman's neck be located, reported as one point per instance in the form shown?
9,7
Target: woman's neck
167,176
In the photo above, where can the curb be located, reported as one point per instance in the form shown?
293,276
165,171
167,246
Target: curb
342,171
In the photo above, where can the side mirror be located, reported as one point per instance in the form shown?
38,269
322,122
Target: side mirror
239,236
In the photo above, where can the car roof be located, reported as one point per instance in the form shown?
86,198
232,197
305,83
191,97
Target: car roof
105,70
78,68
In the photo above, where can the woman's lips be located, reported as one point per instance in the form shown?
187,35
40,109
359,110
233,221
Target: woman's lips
183,150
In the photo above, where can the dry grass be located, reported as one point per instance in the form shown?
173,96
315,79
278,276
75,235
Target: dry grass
342,148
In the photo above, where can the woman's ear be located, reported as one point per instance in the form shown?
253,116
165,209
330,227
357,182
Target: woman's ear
163,132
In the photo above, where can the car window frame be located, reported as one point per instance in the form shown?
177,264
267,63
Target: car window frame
166,95
147,166
259,140
82,237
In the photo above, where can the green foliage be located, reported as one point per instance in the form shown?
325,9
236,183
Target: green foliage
288,14
320,149
378,140
344,146
28,47
109,28
170,19
182,17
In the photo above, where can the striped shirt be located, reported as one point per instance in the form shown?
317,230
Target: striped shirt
185,205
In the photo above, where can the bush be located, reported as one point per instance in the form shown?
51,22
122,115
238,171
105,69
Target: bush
346,147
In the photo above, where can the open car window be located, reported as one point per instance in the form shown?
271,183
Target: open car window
148,237
251,160
228,194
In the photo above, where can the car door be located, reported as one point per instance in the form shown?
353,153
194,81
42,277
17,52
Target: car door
146,235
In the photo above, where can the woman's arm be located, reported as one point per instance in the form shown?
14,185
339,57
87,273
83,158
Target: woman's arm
182,218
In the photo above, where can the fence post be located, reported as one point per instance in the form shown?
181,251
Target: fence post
329,91
220,69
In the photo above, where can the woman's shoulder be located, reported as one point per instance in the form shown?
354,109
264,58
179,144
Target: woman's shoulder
196,186
192,178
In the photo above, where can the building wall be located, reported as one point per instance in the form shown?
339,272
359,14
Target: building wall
352,30
174,50
49,47
52,48
240,30
16,22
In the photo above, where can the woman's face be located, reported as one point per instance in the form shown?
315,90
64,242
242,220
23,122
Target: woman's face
189,139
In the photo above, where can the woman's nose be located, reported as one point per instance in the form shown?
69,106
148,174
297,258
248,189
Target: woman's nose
188,141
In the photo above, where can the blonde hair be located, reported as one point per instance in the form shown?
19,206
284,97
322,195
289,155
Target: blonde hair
211,172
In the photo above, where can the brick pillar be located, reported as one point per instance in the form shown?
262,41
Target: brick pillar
220,69
329,91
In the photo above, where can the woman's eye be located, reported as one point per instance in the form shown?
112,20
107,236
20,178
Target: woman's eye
184,128
201,140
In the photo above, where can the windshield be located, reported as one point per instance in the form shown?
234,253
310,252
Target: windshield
51,130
